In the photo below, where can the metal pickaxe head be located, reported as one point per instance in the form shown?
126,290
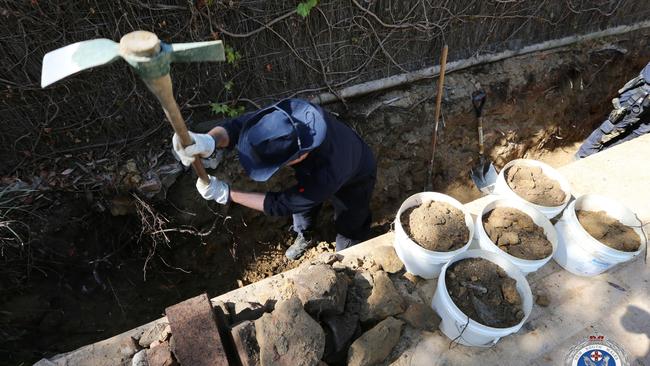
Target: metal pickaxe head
142,50
148,56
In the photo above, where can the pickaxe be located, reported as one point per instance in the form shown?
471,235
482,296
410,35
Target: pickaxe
150,58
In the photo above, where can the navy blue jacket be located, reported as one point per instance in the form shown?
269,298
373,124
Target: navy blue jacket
342,158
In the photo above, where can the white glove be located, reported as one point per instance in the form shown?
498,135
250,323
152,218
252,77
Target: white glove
203,146
216,190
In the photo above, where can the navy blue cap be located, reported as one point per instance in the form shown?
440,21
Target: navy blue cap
279,134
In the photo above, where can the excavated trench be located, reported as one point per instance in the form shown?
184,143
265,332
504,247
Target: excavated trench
86,279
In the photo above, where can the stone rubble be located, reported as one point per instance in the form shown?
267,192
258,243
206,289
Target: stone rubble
375,345
420,316
331,310
321,289
384,300
244,339
159,332
289,336
161,355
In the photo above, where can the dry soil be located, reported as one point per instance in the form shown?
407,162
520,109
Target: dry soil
436,226
609,231
514,232
484,292
531,184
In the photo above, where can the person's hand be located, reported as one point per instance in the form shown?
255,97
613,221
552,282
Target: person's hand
216,190
203,146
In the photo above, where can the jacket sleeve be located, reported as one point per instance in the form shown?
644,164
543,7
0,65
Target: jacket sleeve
233,127
298,198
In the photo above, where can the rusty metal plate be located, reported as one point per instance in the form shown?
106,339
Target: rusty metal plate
196,337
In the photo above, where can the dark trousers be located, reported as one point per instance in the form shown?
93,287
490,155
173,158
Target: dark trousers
352,216
609,134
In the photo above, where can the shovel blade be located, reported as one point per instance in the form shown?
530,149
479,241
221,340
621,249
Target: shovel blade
484,175
76,57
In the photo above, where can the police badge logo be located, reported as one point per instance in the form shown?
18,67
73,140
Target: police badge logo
597,351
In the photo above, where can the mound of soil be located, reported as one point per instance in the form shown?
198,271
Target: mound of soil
609,231
436,226
483,291
531,184
515,233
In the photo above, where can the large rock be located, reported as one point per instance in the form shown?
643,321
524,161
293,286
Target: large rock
421,316
140,358
386,257
289,336
158,333
375,345
321,289
383,301
161,355
248,349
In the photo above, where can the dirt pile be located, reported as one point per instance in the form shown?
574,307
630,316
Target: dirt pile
531,184
436,226
484,292
609,231
515,233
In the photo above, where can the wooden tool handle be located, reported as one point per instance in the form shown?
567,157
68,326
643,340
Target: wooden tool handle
147,44
434,137
441,82
480,135
162,88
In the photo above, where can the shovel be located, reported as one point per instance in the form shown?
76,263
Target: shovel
483,172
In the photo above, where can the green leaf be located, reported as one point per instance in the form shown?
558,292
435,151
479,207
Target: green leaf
304,8
228,85
232,56
218,108
226,110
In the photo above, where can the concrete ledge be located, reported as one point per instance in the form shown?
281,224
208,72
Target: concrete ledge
615,304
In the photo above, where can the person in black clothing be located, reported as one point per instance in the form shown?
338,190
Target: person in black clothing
629,119
330,160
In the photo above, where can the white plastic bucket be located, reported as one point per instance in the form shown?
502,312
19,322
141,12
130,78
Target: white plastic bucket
503,189
454,323
417,260
580,253
484,241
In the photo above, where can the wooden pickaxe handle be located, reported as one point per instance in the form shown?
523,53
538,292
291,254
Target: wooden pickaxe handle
147,44
162,88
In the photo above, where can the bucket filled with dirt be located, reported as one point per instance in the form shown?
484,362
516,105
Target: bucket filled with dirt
481,297
535,183
431,228
517,231
595,233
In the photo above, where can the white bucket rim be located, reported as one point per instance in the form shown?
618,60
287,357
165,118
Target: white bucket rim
485,254
547,227
564,183
433,196
571,210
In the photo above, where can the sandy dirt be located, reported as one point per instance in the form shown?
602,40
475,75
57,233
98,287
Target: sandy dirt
484,292
534,186
609,231
436,226
515,233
